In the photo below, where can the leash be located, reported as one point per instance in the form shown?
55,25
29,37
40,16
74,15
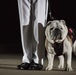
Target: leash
49,8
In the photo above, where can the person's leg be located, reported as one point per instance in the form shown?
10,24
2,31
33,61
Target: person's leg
41,7
41,45
38,38
26,33
33,21
38,50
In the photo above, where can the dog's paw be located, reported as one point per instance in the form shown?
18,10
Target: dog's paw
60,66
49,68
69,69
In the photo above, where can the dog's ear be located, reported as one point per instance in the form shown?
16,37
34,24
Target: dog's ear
49,22
64,23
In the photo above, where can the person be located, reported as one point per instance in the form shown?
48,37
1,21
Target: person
33,18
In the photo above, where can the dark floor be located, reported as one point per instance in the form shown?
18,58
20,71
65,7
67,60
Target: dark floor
9,62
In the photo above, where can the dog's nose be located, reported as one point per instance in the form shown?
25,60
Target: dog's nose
57,30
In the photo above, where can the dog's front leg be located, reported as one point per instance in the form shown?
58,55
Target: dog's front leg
69,59
50,61
61,62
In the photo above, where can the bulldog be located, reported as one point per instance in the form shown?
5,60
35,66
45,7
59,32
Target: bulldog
59,41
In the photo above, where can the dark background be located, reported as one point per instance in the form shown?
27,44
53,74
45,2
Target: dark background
10,41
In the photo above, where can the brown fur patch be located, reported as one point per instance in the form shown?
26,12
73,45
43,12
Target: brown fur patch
69,39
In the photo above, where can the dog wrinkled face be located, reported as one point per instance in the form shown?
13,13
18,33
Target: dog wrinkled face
57,29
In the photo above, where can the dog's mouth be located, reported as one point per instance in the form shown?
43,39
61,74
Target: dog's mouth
57,37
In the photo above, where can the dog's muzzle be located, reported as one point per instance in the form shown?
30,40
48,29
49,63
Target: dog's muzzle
57,34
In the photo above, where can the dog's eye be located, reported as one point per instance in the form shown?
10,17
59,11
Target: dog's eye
51,28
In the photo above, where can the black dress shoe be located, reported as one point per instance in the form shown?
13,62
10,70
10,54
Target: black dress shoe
35,66
24,66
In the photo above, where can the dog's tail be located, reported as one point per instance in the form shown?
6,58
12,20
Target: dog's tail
74,48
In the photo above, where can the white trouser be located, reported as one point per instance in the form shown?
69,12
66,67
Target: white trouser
33,15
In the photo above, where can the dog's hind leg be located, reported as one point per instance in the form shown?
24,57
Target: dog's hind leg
74,47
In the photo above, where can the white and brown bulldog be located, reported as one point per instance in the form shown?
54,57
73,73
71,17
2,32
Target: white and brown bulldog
59,41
